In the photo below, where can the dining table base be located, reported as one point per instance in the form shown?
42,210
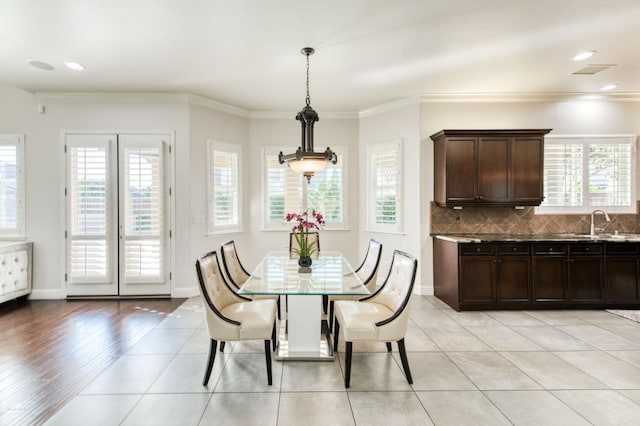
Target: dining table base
303,336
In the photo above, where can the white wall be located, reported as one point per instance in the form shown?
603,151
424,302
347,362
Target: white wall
286,133
400,124
207,124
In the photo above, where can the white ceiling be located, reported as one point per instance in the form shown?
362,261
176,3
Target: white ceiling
368,52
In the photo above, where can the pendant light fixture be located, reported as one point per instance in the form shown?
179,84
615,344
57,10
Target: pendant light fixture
305,160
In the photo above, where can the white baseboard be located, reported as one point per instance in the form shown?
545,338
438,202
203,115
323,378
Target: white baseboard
426,290
47,294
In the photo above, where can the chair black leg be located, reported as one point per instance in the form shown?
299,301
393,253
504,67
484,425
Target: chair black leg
212,356
336,331
273,337
279,316
347,362
388,346
405,361
222,346
325,303
267,355
331,314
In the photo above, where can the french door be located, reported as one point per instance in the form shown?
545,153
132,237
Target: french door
117,208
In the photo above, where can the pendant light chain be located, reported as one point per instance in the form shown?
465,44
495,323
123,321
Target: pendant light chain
308,99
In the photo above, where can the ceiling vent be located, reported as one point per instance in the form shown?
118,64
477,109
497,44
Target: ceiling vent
593,69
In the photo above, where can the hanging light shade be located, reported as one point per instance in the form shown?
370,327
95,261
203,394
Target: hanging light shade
305,160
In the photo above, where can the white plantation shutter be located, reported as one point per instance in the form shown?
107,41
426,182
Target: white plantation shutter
385,186
143,204
583,172
283,190
89,193
11,186
326,191
224,190
563,173
286,191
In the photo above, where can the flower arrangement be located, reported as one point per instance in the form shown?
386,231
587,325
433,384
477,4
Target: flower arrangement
303,223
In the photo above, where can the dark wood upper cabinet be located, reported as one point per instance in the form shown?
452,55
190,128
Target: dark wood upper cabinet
488,167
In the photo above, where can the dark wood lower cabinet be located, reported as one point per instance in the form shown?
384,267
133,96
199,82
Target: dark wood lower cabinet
477,277
512,279
622,269
585,279
541,274
549,280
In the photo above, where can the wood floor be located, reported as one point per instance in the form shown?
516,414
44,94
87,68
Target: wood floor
50,350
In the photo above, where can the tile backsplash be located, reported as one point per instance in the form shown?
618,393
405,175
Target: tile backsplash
507,220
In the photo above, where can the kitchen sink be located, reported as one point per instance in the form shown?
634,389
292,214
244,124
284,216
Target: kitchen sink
602,237
619,237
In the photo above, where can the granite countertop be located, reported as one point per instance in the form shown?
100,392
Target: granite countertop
485,238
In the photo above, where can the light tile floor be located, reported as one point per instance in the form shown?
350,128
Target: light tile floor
469,368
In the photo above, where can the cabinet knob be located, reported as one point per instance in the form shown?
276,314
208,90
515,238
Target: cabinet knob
481,197
478,250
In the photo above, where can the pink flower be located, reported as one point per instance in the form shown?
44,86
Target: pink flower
301,230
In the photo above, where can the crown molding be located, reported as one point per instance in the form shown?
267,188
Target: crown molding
182,98
526,97
389,106
424,98
139,98
290,115
217,106
439,98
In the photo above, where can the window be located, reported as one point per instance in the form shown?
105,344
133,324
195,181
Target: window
384,181
586,172
12,186
287,191
224,187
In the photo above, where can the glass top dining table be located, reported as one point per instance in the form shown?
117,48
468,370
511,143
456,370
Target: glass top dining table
278,273
303,335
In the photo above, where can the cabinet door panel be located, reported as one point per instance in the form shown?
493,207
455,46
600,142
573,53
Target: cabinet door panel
460,170
492,169
526,170
476,279
549,279
621,279
513,279
585,278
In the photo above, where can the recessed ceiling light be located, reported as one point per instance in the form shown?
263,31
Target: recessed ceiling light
584,55
608,87
40,65
74,66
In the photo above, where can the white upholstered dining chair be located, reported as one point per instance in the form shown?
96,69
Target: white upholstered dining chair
237,273
231,317
367,272
381,317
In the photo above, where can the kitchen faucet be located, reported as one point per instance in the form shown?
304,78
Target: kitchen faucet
592,232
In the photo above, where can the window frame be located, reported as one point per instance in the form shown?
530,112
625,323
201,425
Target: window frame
372,151
342,153
586,209
212,146
19,232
